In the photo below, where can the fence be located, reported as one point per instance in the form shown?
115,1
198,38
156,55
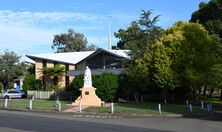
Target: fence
40,94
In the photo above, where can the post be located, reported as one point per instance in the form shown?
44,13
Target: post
59,106
202,105
6,102
211,108
208,107
33,98
112,108
190,108
159,108
80,107
141,98
187,102
30,104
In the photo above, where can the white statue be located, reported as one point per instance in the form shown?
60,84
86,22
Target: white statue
87,78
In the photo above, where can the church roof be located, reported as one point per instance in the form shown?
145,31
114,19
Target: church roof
76,57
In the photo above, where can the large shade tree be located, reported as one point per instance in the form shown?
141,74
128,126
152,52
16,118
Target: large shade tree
140,34
210,15
11,67
138,37
71,42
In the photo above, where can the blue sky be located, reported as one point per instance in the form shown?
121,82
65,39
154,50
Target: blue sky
28,26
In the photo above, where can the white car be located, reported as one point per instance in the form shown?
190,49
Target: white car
12,94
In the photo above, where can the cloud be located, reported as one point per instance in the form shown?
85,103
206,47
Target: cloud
26,32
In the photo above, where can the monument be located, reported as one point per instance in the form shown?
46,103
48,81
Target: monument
88,95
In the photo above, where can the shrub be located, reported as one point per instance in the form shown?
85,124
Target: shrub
106,84
30,83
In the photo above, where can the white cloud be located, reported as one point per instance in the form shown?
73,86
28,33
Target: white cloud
18,36
23,31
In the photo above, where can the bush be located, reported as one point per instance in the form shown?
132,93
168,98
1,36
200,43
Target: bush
106,84
30,83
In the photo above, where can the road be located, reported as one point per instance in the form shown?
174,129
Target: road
11,121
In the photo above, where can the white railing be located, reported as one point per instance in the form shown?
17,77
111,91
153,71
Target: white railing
40,94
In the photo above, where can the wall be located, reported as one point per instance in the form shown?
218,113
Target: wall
38,67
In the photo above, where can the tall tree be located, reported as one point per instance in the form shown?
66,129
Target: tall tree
189,46
210,15
139,35
11,67
69,42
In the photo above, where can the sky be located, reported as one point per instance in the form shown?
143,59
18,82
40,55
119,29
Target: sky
28,26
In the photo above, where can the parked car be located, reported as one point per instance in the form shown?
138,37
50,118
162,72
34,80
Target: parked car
12,94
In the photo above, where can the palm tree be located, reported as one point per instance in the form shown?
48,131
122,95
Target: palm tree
52,74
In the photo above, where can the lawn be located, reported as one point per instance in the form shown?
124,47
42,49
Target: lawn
147,108
214,100
48,105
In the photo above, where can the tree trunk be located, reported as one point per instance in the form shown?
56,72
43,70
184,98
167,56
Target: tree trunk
204,90
211,92
194,93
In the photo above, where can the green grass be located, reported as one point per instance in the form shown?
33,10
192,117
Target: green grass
147,108
215,100
48,105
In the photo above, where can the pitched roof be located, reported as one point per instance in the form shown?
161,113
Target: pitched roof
75,57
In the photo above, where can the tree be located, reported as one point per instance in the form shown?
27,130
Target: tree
189,46
30,83
215,78
69,42
139,35
210,15
52,74
11,67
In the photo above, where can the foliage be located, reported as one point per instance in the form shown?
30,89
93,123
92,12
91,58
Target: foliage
210,15
188,46
30,83
139,35
76,84
70,42
106,84
11,67
52,74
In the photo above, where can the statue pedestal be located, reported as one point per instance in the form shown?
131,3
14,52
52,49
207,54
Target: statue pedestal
88,97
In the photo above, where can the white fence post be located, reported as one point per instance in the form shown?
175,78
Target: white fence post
159,108
6,102
190,108
30,104
59,108
187,102
202,105
112,108
80,107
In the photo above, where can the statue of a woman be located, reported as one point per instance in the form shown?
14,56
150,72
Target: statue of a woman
87,78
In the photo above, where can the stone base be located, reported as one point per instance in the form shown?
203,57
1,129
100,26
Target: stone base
88,97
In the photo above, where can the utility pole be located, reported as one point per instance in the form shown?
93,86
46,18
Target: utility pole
109,34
